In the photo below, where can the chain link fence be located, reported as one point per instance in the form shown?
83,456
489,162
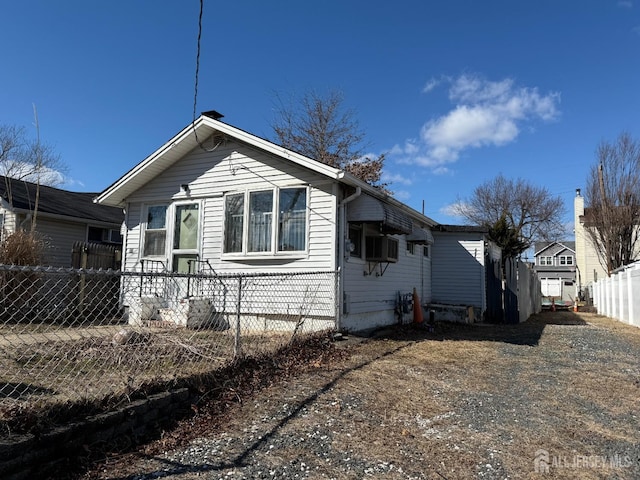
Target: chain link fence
69,335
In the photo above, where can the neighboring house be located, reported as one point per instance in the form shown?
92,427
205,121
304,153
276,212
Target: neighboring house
62,218
589,268
216,193
465,269
555,265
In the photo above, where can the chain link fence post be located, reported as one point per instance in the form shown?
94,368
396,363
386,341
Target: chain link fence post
236,345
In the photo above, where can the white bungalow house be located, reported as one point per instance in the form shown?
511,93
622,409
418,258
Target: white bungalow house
219,194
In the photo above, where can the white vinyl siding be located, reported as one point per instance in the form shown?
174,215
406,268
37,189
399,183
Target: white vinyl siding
231,168
372,293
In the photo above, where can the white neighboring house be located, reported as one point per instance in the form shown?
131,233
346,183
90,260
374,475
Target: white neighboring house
217,193
62,218
589,266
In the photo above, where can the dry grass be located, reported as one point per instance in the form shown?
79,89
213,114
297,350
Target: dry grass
464,402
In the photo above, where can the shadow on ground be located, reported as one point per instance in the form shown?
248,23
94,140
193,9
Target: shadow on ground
526,333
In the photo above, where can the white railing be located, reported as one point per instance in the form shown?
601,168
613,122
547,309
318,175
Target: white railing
618,296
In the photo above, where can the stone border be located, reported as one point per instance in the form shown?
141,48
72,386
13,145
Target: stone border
29,456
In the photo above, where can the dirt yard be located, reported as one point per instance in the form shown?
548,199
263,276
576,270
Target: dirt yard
558,394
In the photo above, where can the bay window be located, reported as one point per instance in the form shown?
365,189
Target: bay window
266,221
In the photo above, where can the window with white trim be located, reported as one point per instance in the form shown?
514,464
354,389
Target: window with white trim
155,233
185,237
566,260
545,261
266,221
355,240
411,248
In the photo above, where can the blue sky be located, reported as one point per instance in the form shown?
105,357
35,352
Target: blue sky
453,91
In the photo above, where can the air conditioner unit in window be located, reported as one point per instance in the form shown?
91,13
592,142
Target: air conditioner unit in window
381,249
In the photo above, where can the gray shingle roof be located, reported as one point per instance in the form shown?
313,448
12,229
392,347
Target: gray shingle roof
55,201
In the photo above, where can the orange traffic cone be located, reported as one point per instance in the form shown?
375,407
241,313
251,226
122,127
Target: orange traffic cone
417,308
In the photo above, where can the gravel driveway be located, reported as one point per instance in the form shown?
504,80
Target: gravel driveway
559,393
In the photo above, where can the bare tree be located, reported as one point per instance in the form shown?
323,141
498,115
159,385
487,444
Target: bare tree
23,158
613,202
320,128
28,159
516,213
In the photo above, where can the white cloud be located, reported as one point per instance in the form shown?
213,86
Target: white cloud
453,209
402,195
484,113
441,171
396,178
431,85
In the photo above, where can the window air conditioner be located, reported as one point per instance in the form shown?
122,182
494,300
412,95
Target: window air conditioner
381,249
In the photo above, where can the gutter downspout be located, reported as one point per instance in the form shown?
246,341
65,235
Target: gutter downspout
342,239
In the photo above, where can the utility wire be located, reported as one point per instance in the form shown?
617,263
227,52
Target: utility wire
195,88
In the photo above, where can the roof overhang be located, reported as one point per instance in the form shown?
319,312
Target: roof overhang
397,215
367,209
421,236
186,140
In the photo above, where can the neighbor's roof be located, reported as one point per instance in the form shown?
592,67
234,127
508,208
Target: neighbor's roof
461,228
205,126
542,246
56,202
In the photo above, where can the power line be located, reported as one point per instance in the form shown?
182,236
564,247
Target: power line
195,87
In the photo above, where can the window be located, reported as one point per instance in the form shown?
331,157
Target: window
425,251
355,239
545,261
411,248
155,234
234,216
115,236
103,235
566,260
185,236
266,221
260,217
292,221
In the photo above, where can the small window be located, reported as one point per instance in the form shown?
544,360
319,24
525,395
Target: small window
566,260
115,236
425,251
355,239
95,234
545,261
155,234
411,247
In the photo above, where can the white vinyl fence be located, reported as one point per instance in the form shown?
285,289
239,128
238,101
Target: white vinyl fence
618,296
